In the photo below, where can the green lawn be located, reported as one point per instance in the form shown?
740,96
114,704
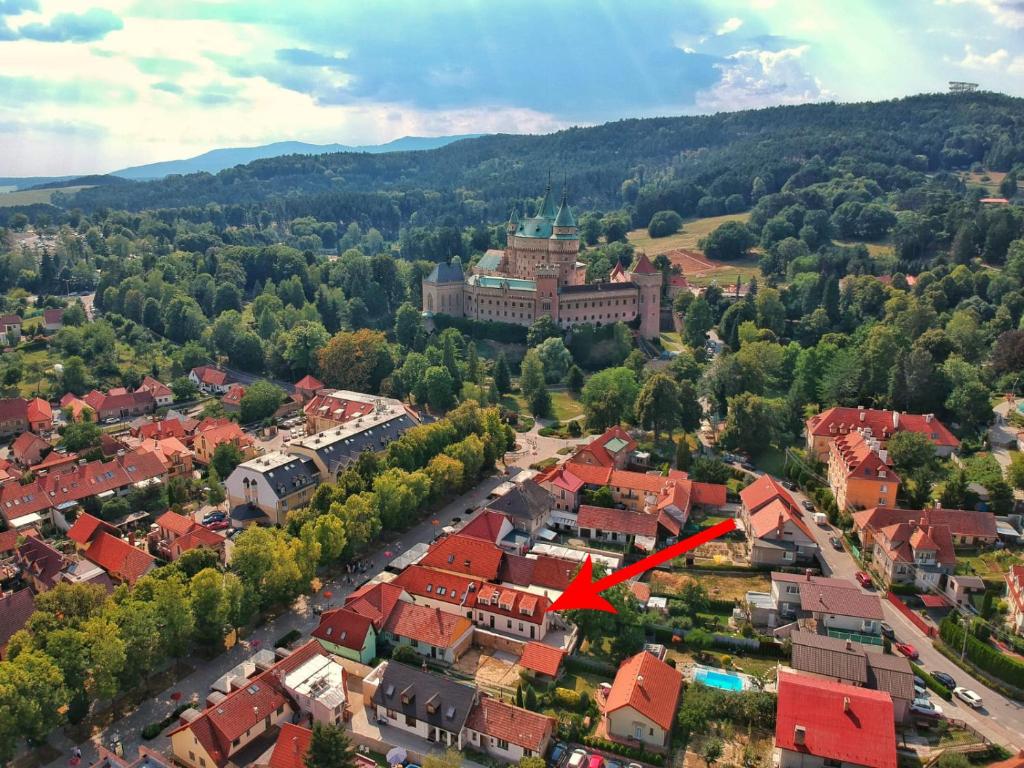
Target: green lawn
875,249
693,230
34,196
565,405
670,340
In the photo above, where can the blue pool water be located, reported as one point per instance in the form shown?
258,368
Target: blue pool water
727,681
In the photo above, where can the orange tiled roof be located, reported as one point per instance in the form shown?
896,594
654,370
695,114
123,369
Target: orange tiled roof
466,555
515,725
883,424
343,627
427,625
649,686
542,658
119,558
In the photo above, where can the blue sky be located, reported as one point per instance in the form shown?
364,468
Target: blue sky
93,85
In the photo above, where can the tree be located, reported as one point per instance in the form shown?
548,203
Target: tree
75,377
532,762
215,496
540,403
608,397
502,375
729,242
657,404
711,750
301,347
664,223
226,457
209,606
754,422
555,358
698,321
80,436
910,451
184,390
1015,472
683,455
542,328
32,693
438,387
174,614
531,378
408,325
574,379
952,760
260,401
530,699
356,360
329,747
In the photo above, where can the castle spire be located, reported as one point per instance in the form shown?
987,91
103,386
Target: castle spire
564,217
547,207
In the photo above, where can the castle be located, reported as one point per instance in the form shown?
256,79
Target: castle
539,274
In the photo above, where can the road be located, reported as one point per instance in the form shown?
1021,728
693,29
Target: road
1000,719
300,616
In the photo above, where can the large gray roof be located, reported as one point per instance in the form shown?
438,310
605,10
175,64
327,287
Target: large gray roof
436,700
526,501
447,272
338,452
851,662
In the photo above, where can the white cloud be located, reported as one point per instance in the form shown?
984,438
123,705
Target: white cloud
729,25
1009,13
1016,66
759,78
974,60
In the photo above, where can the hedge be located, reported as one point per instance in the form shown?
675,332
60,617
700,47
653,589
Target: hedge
483,329
932,683
152,730
287,638
634,753
1004,667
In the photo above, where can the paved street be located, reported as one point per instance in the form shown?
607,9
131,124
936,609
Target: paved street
1001,719
300,617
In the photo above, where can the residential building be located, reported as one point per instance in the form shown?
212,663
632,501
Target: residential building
563,487
1015,598
19,415
465,555
40,563
544,660
291,747
100,543
824,723
39,415
210,379
539,274
348,634
624,526
538,572
967,528
146,429
375,601
265,489
512,611
308,386
232,400
160,392
640,707
836,605
10,330
611,450
880,424
176,458
961,590
329,408
440,636
53,320
845,661
118,403
508,732
28,449
778,533
493,527
439,589
179,534
24,506
859,472
527,505
430,706
75,408
913,553
15,609
213,432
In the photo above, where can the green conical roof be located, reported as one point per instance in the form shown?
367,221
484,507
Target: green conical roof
547,208
513,218
564,217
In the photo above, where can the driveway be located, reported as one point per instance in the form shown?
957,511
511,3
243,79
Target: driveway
1001,720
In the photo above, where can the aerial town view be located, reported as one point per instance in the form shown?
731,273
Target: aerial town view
585,385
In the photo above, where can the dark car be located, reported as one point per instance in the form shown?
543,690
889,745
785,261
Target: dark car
946,680
214,517
789,485
887,631
836,543
557,753
748,466
807,505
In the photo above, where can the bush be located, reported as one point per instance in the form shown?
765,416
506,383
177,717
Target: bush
664,223
287,639
152,730
1001,666
931,682
566,699
634,753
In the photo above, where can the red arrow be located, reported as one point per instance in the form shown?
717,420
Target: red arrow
584,593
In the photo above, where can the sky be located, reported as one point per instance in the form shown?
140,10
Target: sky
90,86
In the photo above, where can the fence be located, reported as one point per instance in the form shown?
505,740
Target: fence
912,617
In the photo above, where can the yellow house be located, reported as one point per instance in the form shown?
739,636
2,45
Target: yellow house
859,473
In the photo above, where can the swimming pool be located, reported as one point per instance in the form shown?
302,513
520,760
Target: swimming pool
727,681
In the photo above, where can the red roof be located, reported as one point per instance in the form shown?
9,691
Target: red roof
291,747
234,395
763,490
175,523
538,571
506,722
19,500
598,448
961,522
8,541
39,410
513,603
25,442
119,558
375,602
343,627
211,376
542,658
466,555
51,316
309,382
839,722
708,494
840,598
644,266
15,610
860,457
1015,586
155,388
164,428
85,528
648,685
199,536
618,520
840,420
902,540
641,591
560,477
423,624
769,519
337,407
486,525
55,459
438,585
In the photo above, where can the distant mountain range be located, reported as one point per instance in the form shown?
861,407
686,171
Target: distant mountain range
219,159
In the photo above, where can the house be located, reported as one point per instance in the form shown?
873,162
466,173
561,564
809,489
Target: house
146,429
232,400
209,379
305,684
28,449
966,527
15,609
538,571
508,732
488,525
465,555
835,604
640,707
19,415
213,432
53,320
330,408
40,415
24,506
824,723
437,635
451,592
913,553
1015,598
308,386
10,330
527,505
563,487
610,450
624,526
75,408
176,458
845,661
265,489
160,392
960,589
118,403
859,472
880,424
427,705
348,634
512,611
375,601
545,661
179,534
291,747
40,563
100,543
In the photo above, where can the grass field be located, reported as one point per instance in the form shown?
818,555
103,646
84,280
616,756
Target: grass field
34,196
995,178
564,404
693,230
670,340
719,586
880,248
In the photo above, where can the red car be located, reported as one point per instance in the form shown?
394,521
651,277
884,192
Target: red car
863,579
218,525
907,650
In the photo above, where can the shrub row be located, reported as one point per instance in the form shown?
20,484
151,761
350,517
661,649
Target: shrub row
483,329
634,753
287,638
152,730
932,683
1002,666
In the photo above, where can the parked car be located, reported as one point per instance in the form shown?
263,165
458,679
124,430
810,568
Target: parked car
219,525
926,707
612,764
863,579
634,765
836,543
596,761
577,759
557,753
907,650
748,466
887,630
968,696
946,680
920,692
789,485
807,505
214,517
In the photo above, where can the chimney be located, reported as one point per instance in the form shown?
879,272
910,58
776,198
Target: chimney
928,418
862,415
849,644
799,735
846,703
895,420
807,573
883,456
640,680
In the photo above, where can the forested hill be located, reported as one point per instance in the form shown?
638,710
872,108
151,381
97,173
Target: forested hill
664,162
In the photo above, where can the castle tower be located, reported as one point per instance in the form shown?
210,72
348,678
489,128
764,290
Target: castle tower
547,206
648,279
547,291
